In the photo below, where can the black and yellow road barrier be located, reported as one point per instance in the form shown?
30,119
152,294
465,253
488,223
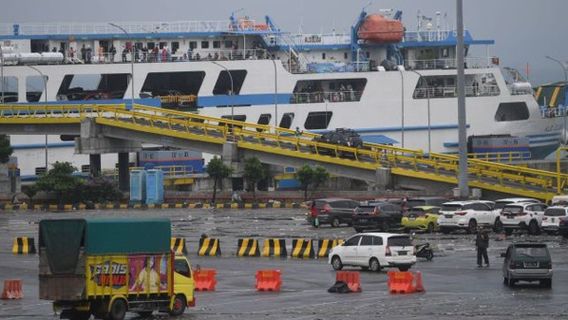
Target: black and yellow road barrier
325,245
209,247
23,245
302,248
274,248
178,246
248,247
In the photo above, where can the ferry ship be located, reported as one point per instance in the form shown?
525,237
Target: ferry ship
390,84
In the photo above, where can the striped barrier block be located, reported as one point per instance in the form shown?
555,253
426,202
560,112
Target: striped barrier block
248,247
302,248
325,245
178,245
23,245
274,248
209,247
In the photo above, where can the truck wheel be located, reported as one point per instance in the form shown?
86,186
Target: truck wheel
118,310
179,305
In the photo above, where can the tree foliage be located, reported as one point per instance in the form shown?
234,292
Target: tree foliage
5,149
218,171
254,172
311,177
60,180
99,190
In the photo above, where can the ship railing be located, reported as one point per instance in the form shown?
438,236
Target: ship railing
484,90
327,96
553,112
141,56
507,157
469,63
105,28
171,170
433,35
313,39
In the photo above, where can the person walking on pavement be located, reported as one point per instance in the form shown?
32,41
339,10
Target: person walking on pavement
482,243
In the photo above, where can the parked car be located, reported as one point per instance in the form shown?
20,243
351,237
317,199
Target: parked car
527,262
498,206
552,217
425,201
522,215
466,215
341,136
383,216
332,211
374,251
423,218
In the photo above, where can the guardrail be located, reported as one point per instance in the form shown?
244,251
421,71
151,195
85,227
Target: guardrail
264,138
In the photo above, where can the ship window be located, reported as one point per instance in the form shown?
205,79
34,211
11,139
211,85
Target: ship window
228,44
93,86
223,84
163,44
10,89
330,90
175,47
34,88
151,45
345,55
237,117
193,45
204,44
512,111
476,85
318,120
323,55
286,121
216,44
173,83
264,118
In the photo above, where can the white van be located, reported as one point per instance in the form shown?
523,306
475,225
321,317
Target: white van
374,251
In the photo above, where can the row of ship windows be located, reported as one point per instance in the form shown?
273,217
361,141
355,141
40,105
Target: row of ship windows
159,84
315,120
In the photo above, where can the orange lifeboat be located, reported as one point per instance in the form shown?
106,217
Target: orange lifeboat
377,28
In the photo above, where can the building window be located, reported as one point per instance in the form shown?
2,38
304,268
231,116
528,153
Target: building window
286,121
318,120
216,44
204,44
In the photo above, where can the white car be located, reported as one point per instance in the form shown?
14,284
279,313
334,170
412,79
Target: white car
501,203
374,251
466,215
551,220
523,215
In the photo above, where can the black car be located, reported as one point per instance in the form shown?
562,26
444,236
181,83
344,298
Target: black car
332,211
341,136
381,216
527,262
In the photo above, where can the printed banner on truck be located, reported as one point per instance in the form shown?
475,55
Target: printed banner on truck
148,274
107,274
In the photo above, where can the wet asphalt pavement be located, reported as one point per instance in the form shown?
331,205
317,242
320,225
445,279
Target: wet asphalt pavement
455,287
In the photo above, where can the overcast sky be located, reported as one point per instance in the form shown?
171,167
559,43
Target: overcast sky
525,31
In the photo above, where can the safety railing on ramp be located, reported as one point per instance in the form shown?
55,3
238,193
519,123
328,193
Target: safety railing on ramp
290,143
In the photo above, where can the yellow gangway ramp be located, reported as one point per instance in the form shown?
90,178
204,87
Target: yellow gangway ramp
23,245
209,247
302,248
325,245
274,248
178,245
248,247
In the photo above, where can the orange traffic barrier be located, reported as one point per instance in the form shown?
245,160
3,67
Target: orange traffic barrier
268,280
205,279
352,278
12,289
405,282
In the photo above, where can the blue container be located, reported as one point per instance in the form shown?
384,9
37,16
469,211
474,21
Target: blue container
137,186
154,186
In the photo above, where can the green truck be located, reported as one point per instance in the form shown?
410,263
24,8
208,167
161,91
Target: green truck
106,267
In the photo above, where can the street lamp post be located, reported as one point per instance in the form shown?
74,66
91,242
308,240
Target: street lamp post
428,108
275,94
232,88
2,72
401,106
131,61
463,182
44,78
558,171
